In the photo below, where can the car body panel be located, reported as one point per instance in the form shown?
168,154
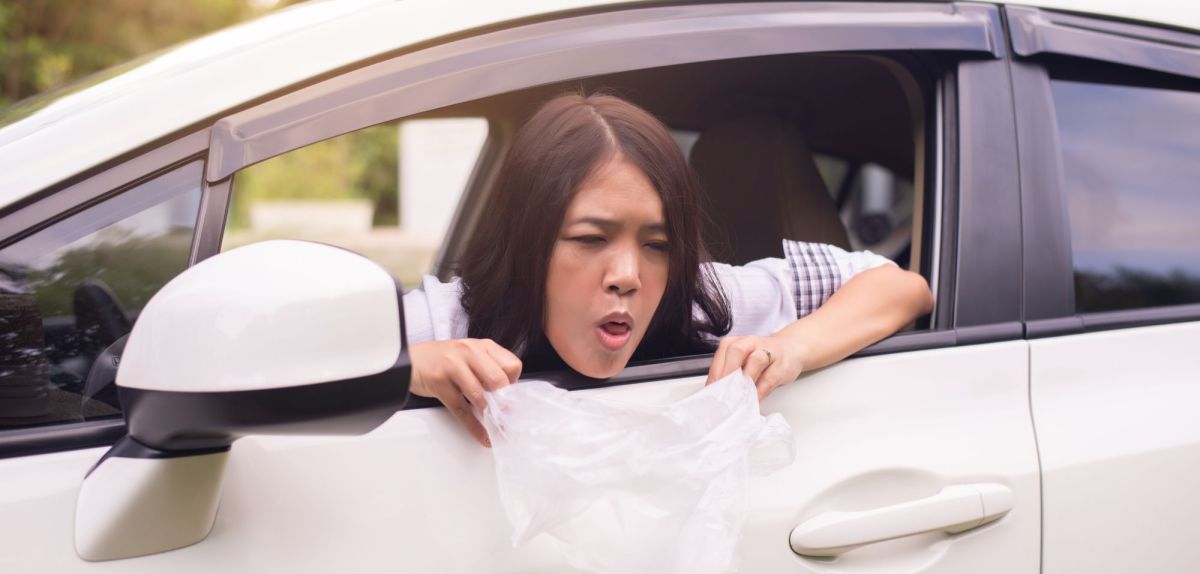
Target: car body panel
1119,435
418,495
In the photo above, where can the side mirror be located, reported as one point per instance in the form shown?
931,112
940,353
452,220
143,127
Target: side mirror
278,337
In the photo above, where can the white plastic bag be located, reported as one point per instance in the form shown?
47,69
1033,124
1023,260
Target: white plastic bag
632,489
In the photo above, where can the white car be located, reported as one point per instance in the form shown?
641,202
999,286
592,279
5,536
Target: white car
1038,165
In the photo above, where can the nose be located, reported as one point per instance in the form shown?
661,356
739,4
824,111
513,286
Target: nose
622,277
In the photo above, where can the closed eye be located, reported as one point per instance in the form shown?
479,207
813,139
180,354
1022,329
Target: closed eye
587,239
659,246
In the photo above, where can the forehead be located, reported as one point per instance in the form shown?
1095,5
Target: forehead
620,190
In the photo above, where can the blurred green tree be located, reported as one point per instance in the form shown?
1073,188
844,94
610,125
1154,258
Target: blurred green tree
48,44
45,44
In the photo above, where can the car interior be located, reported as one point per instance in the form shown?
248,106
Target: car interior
785,147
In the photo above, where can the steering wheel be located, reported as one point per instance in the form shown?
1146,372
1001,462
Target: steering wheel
99,317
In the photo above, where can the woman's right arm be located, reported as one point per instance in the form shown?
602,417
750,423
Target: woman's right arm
446,364
457,372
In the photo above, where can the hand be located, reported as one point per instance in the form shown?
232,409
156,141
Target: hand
768,361
457,372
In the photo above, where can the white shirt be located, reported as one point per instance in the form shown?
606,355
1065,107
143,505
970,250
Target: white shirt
764,295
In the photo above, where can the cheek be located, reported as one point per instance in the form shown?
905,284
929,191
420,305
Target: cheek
654,279
565,281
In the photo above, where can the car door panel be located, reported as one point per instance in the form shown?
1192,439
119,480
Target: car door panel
418,495
418,492
1110,286
877,431
1120,444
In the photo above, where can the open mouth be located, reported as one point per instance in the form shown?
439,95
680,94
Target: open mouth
614,334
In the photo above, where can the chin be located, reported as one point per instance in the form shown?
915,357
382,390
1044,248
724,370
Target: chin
600,366
600,370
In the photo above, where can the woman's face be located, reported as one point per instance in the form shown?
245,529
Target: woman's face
608,270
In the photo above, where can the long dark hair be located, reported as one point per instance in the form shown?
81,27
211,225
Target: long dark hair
504,266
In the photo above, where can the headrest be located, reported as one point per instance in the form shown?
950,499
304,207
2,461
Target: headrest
763,186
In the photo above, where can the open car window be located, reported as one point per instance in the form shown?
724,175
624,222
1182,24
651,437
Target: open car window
388,192
807,147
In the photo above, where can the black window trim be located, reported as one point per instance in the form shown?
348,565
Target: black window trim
1037,32
210,221
47,208
985,240
59,437
697,365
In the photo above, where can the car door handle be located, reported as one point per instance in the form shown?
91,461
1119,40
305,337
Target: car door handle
955,509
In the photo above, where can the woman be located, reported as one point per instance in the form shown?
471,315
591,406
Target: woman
590,256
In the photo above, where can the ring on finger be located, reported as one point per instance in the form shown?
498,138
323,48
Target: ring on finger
770,359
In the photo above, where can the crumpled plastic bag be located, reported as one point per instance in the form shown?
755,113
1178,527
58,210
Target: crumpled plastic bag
633,489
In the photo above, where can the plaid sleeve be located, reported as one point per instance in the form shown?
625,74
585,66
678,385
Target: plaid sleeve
819,269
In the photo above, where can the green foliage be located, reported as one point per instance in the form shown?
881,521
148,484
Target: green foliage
134,269
48,44
375,164
361,164
44,44
1126,288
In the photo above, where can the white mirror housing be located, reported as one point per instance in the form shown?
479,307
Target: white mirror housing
278,337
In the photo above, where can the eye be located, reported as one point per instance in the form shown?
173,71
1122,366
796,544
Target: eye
587,239
661,246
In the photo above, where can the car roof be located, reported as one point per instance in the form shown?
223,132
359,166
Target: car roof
211,75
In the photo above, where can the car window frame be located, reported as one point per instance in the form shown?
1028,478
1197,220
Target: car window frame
545,52
1049,288
987,45
980,298
30,215
65,200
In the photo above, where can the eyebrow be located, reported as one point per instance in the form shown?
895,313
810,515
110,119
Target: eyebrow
610,224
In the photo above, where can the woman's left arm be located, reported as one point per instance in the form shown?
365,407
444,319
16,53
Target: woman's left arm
870,306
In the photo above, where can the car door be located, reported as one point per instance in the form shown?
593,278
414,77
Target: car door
1108,130
886,438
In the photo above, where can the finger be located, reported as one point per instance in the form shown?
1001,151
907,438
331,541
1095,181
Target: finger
467,383
461,411
486,370
509,363
718,362
735,358
775,376
756,362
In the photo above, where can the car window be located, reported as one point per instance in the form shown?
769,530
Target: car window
388,192
74,289
1130,173
779,152
874,203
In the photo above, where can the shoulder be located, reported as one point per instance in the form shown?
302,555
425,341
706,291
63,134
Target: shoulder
818,270
767,294
434,311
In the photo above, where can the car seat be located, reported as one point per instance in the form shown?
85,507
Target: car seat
762,186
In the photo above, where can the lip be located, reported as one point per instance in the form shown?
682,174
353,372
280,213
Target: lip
615,341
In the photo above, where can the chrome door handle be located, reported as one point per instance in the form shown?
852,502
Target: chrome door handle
955,509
